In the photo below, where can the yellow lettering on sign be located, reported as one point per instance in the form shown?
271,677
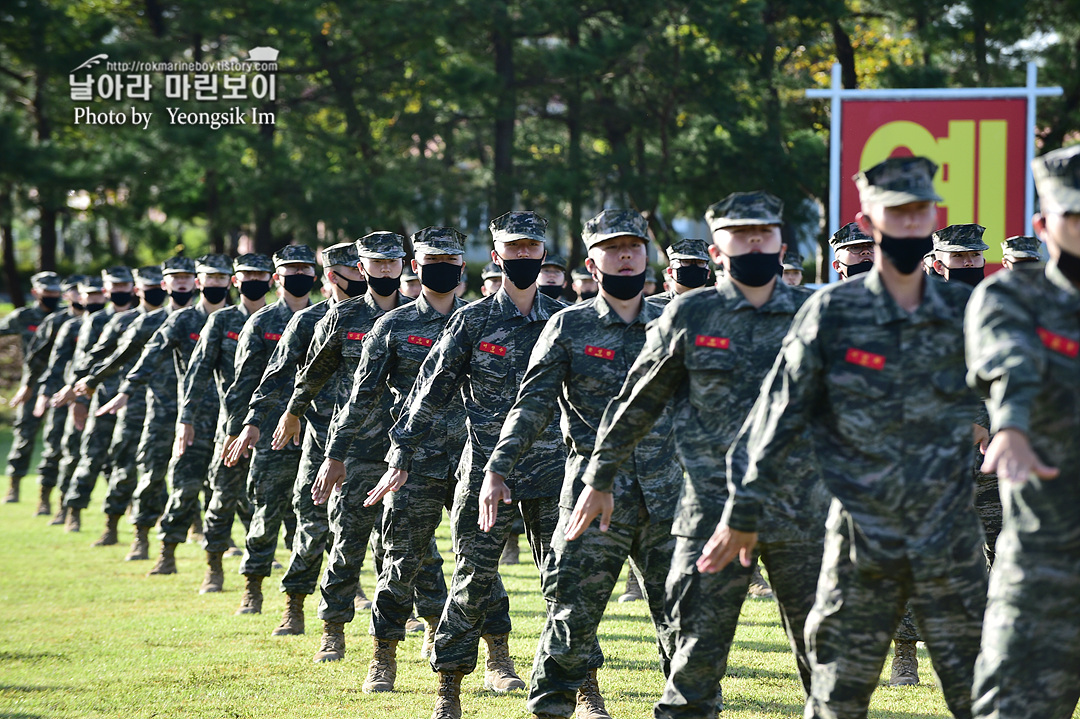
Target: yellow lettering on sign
993,141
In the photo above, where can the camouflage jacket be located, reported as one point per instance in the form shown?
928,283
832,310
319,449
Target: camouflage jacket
128,348
482,353
211,363
108,339
1023,352
661,299
883,392
579,364
258,340
23,321
63,352
392,353
36,356
89,333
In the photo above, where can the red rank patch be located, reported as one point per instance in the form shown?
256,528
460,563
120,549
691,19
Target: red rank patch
32,328
720,343
601,352
271,336
865,359
194,336
497,350
232,335
355,335
1059,343
422,341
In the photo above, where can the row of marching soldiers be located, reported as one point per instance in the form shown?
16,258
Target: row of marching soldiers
831,434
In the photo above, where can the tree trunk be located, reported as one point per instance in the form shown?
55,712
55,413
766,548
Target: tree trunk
7,238
845,55
264,213
505,111
573,123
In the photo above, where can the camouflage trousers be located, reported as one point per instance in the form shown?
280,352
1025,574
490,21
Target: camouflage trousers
228,498
124,476
93,455
187,476
152,459
987,506
577,581
474,586
703,611
52,434
69,454
270,483
857,611
1029,665
312,522
24,432
411,516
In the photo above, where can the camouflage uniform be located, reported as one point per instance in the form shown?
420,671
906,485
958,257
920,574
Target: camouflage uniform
1023,344
54,379
1021,248
482,353
579,363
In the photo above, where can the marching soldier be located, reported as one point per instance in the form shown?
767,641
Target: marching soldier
493,279
1019,249
410,283
552,280
958,253
853,251
583,284
793,268
688,269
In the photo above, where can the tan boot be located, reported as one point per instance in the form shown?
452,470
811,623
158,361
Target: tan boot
233,550
430,624
332,646
140,548
382,671
166,563
251,602
44,507
905,664
448,701
499,675
758,586
413,625
360,601
195,531
633,589
74,520
214,581
108,538
590,703
61,516
292,621
511,553
13,492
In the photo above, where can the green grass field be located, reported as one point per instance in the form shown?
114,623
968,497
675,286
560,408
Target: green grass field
85,634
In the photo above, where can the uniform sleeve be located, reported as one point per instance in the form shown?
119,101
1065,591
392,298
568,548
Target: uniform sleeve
251,355
325,360
37,354
129,346
280,373
200,375
12,323
658,371
549,366
790,394
356,417
441,375
63,351
153,355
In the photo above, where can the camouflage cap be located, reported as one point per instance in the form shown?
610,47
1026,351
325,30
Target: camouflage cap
792,261
580,273
71,282
688,249
1021,246
178,264
47,281
960,238
512,226
490,271
253,262
90,283
343,253
614,223
741,209
849,234
438,241
1057,178
407,273
117,274
553,260
294,255
898,181
214,264
381,246
149,275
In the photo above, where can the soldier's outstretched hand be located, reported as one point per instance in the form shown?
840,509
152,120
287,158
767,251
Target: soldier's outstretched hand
493,491
723,546
331,475
185,437
590,505
113,406
241,446
288,428
41,405
63,398
393,480
1010,456
82,388
79,413
20,396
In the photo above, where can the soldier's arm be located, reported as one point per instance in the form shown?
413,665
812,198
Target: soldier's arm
128,347
280,372
359,415
63,350
150,360
252,351
11,324
199,377
324,360
37,353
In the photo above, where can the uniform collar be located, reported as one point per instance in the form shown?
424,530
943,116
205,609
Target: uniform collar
934,305
374,306
1070,294
425,311
781,300
503,307
608,316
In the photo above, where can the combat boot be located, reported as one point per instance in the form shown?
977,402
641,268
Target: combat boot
382,671
140,548
44,507
590,703
430,624
499,675
61,516
332,646
108,538
758,586
214,581
448,700
360,601
251,602
195,531
233,550
292,622
166,563
511,553
633,589
413,625
13,492
74,520
905,664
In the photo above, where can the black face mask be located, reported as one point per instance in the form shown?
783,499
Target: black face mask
254,289
968,275
120,298
623,287
94,307
440,277
181,298
692,275
384,286
522,273
154,296
298,285
906,253
858,268
215,295
590,294
1069,264
554,291
353,288
78,305
50,303
754,269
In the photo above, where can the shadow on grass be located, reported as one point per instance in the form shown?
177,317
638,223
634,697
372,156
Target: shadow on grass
32,656
19,715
